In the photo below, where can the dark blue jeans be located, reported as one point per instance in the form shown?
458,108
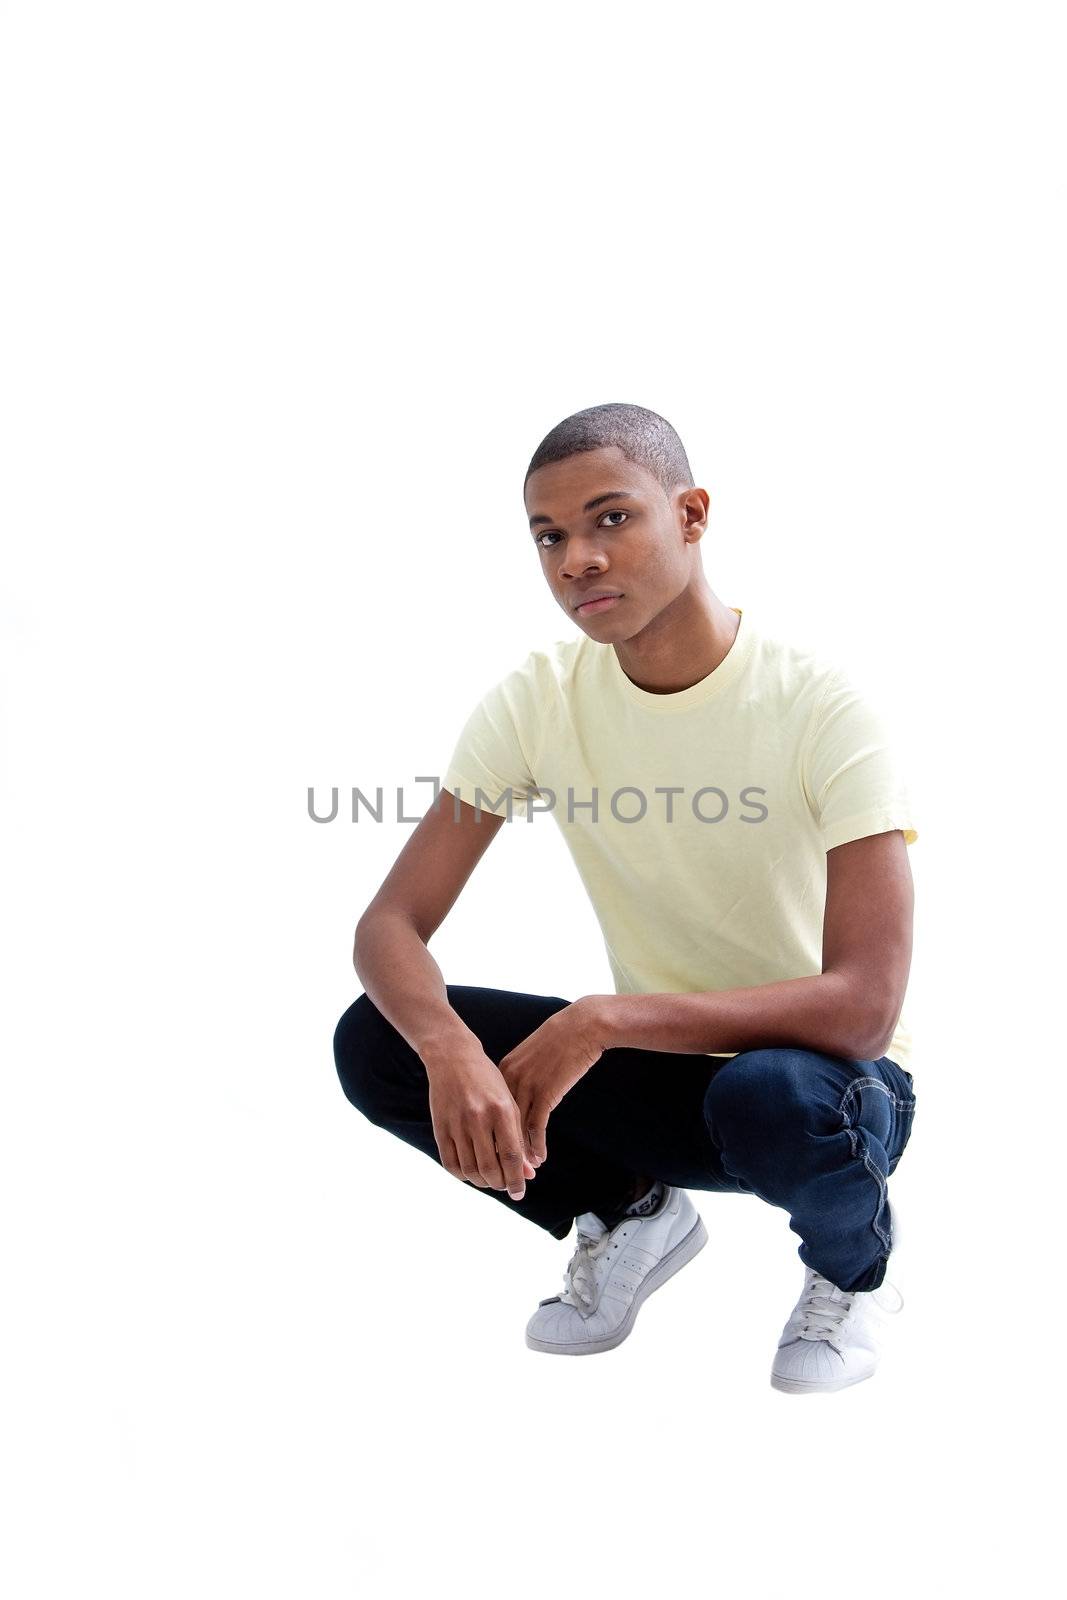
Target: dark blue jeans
817,1135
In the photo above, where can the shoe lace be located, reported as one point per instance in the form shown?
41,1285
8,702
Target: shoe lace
580,1276
824,1306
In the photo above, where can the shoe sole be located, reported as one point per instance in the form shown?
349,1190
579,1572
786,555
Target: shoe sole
672,1262
797,1386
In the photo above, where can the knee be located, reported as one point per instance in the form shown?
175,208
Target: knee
357,1043
763,1090
355,1025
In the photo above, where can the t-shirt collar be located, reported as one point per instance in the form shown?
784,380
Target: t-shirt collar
697,693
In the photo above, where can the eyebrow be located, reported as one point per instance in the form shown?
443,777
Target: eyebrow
590,505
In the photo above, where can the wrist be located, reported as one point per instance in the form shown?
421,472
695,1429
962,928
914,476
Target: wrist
601,1014
446,1040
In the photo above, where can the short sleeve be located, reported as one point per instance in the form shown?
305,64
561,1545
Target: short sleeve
852,777
491,754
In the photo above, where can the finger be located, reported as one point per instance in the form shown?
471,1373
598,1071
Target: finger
529,1165
486,1156
449,1155
527,1145
469,1163
522,1115
510,1155
538,1135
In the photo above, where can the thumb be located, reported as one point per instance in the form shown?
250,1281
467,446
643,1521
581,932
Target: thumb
529,1155
536,1144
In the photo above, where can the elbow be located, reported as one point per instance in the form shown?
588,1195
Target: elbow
870,1035
359,939
869,1047
864,1019
377,922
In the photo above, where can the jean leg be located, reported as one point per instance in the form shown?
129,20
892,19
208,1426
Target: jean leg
385,1079
818,1136
646,1108
903,1085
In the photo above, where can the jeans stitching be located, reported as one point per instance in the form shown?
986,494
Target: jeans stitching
863,1155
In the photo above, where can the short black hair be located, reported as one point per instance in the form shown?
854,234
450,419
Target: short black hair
644,436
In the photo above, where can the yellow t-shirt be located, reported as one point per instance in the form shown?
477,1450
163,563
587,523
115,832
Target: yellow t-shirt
772,759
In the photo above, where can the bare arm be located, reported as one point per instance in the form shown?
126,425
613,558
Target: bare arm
849,1009
390,953
475,1118
406,984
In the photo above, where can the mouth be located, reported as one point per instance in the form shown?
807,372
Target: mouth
588,608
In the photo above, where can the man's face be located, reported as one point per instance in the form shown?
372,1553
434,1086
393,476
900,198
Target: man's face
603,524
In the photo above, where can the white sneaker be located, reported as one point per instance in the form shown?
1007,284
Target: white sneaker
830,1339
610,1274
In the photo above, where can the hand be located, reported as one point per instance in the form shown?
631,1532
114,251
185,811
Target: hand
476,1121
547,1063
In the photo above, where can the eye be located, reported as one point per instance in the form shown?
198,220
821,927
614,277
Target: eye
540,536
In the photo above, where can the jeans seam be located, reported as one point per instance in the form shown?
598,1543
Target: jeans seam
864,1155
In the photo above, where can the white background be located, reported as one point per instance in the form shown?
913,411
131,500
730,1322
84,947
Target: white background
291,293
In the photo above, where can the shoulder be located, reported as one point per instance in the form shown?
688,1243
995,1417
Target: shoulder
546,673
794,672
839,710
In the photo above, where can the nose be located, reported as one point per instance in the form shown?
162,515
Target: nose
580,557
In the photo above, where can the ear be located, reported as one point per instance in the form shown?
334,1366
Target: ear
693,513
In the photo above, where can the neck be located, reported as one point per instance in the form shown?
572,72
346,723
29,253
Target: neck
682,645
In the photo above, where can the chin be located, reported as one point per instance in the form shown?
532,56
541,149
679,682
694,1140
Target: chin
603,627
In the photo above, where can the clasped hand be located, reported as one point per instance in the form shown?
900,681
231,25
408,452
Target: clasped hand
545,1065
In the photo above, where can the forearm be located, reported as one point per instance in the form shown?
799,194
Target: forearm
823,1012
405,983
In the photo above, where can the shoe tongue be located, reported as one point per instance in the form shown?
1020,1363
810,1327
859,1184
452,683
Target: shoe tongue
648,1202
590,1224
